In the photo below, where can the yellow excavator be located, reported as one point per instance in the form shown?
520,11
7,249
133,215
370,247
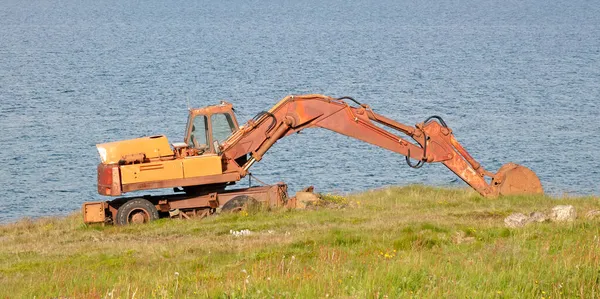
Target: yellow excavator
217,152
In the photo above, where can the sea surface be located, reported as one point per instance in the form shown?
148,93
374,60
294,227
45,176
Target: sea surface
517,81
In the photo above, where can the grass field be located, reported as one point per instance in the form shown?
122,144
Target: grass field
410,242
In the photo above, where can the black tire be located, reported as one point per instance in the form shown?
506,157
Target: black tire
137,210
239,203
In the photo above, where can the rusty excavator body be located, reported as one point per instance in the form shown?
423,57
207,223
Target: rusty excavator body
216,152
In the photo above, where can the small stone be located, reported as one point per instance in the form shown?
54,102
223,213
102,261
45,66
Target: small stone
538,217
516,220
563,213
593,214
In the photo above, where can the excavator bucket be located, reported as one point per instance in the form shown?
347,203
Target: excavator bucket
514,179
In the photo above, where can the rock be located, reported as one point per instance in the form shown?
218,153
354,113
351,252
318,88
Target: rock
593,214
308,189
304,199
538,217
563,213
516,220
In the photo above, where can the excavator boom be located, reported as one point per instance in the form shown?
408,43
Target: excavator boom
217,152
434,141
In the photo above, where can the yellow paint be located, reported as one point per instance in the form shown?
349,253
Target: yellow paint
154,171
202,165
189,167
152,147
93,212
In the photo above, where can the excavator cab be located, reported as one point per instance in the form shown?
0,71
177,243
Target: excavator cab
209,126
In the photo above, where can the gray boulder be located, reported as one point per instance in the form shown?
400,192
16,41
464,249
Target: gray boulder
563,214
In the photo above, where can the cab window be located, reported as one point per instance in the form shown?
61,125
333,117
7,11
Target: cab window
199,134
222,126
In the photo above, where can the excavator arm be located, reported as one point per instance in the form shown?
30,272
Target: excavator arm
434,141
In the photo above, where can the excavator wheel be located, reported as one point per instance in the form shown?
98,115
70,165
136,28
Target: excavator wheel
239,203
514,179
136,211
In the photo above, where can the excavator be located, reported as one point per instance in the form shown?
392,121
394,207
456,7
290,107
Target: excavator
217,153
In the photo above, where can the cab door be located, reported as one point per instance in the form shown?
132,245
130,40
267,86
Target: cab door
198,132
204,130
210,124
207,162
222,125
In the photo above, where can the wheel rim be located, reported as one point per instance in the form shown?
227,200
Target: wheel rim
138,216
237,209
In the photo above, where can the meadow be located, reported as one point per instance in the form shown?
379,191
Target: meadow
397,242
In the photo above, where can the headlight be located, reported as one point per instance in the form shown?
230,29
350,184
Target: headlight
102,152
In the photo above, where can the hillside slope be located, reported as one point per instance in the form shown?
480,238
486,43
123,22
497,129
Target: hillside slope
397,242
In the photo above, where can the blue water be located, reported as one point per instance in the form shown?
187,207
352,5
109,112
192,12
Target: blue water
516,80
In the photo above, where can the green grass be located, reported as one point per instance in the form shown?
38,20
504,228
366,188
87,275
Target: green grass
410,242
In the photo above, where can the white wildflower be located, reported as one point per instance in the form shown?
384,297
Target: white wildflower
244,232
